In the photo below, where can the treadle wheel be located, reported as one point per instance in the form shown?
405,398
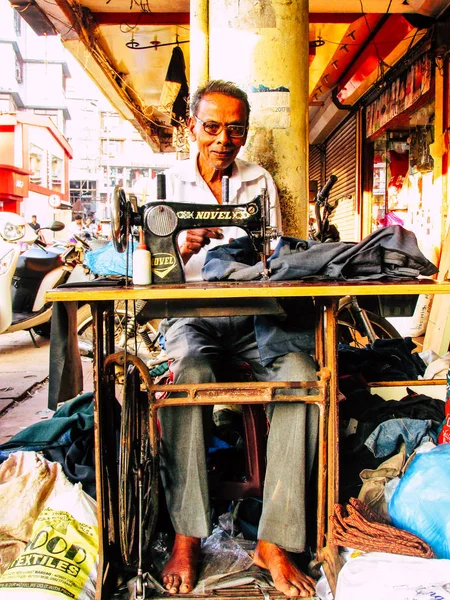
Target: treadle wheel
134,452
120,219
349,333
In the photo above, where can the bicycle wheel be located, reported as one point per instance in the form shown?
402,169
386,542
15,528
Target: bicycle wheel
137,472
349,333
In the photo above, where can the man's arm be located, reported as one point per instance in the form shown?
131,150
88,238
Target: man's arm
196,239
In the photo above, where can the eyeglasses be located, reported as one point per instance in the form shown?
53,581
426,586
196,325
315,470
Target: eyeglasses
213,128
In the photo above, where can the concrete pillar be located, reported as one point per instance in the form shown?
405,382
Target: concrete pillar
199,43
262,45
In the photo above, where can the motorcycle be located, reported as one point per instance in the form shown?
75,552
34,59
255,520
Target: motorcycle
26,276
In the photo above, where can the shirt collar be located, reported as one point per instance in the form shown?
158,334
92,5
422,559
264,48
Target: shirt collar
242,170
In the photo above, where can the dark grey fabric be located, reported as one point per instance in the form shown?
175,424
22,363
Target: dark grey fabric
388,252
66,373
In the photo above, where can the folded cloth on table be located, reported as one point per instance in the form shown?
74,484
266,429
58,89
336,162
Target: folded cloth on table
358,526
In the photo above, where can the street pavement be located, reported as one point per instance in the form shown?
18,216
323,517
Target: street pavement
24,382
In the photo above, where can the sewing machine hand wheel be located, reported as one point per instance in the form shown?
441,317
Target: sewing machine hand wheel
120,219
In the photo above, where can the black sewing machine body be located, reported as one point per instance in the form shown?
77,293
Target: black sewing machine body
162,222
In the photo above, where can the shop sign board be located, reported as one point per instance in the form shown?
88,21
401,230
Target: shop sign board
400,95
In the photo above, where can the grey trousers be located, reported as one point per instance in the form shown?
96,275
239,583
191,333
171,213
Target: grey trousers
198,347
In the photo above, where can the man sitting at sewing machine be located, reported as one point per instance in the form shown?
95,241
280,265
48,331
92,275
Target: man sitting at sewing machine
219,124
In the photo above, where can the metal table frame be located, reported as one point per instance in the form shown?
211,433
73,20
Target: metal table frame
212,299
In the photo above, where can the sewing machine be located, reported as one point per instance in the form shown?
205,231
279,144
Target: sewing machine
163,220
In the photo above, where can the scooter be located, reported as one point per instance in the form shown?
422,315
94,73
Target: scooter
25,277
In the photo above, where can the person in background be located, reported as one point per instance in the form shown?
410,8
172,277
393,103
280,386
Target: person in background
76,228
33,223
198,346
36,227
90,227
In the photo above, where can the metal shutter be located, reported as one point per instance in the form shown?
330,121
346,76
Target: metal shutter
315,165
341,160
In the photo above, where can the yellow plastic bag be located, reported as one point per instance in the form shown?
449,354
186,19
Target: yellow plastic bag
60,560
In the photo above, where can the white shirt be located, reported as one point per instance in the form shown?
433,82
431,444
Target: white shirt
185,184
75,228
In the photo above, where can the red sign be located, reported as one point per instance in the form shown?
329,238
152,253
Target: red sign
13,182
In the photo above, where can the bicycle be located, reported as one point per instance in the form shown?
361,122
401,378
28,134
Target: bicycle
357,326
132,329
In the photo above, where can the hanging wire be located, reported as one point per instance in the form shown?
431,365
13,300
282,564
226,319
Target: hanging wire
124,84
380,60
118,78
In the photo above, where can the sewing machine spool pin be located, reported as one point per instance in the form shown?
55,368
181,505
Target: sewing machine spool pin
225,189
161,186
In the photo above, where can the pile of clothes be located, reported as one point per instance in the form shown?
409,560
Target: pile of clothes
378,436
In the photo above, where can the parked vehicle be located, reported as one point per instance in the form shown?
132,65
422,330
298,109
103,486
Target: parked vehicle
26,276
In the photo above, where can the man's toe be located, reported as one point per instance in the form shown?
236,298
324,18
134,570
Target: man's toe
286,587
185,588
172,583
306,590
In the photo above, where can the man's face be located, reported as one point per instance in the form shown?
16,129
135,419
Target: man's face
218,151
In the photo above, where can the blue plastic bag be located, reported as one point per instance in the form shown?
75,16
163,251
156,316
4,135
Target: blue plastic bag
421,501
107,261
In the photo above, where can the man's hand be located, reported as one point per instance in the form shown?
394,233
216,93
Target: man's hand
196,239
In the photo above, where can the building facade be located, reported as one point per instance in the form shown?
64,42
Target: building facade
108,152
59,136
34,153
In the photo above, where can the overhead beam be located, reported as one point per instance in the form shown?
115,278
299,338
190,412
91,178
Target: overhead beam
34,16
141,18
154,18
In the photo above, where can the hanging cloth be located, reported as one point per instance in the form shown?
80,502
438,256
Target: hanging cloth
175,90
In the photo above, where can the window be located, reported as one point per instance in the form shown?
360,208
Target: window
113,176
56,179
111,148
135,174
84,191
37,165
109,121
18,70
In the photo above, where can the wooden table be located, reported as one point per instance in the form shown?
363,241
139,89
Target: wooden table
214,299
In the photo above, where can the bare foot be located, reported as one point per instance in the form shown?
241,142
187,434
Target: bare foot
287,578
180,572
